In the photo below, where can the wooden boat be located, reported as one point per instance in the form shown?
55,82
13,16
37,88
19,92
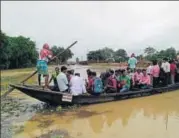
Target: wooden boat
59,98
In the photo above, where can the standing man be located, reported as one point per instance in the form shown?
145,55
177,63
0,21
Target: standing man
166,67
42,67
132,62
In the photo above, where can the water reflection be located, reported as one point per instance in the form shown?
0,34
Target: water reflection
149,117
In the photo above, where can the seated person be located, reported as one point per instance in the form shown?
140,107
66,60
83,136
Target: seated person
136,77
54,78
145,82
104,76
117,77
125,81
111,83
97,85
69,74
77,85
89,83
62,80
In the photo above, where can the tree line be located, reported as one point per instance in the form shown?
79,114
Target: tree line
120,55
21,52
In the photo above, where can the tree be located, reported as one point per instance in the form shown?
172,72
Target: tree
63,57
17,52
120,55
149,51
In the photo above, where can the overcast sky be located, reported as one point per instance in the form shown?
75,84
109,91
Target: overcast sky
129,25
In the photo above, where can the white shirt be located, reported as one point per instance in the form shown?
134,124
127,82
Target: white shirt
77,85
166,67
62,81
149,69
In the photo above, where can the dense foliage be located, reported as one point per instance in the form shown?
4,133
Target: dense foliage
120,55
63,57
20,52
17,52
107,54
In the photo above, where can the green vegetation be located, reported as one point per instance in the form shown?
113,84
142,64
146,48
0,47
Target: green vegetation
120,55
20,52
107,54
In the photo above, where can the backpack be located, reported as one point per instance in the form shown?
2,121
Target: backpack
98,85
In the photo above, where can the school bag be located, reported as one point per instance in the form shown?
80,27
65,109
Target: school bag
98,85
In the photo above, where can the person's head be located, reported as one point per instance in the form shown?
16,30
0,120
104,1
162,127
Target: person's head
88,70
165,60
72,72
132,55
77,74
93,74
46,46
138,70
144,72
128,70
154,62
123,72
68,72
171,61
63,69
116,72
57,70
111,72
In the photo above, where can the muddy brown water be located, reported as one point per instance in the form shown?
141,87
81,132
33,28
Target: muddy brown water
147,117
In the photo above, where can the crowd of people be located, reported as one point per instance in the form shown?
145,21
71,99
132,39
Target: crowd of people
112,81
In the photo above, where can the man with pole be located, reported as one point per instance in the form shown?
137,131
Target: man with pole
42,68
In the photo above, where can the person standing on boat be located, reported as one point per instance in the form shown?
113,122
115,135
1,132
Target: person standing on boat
173,70
54,78
155,72
42,67
166,67
132,62
62,80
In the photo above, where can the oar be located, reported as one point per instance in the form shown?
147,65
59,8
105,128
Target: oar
11,89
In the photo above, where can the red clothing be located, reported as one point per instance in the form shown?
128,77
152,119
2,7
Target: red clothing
112,82
145,80
44,53
173,68
155,71
137,76
90,82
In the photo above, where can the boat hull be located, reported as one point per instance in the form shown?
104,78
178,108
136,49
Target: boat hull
56,98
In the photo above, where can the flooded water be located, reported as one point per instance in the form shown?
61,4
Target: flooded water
148,117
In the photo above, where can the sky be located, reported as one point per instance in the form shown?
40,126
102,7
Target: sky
131,25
